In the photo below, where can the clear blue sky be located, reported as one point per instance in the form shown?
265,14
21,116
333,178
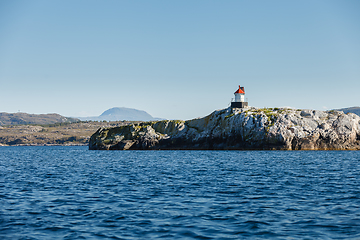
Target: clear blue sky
177,59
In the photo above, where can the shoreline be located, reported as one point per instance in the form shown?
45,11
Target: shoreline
44,145
179,149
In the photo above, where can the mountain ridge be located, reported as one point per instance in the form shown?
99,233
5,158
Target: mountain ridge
122,114
21,118
355,110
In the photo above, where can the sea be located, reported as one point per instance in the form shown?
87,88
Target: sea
56,192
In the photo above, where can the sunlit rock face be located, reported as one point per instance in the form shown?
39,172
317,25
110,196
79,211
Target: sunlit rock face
248,128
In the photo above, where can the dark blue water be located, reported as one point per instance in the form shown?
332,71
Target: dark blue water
74,193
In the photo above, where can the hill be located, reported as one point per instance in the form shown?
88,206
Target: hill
120,114
355,110
26,118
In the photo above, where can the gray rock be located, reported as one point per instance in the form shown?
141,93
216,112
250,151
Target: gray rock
249,128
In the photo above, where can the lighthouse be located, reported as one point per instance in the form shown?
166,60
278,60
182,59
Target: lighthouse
239,101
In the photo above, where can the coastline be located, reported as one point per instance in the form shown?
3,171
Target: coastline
77,133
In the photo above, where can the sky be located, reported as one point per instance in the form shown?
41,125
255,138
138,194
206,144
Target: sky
177,59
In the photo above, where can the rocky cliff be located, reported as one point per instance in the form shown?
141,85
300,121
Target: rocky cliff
250,128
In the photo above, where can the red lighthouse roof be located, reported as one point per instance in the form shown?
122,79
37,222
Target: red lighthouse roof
240,90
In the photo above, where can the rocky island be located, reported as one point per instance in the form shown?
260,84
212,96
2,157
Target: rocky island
241,129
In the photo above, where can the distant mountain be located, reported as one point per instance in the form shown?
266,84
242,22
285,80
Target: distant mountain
355,110
26,118
122,113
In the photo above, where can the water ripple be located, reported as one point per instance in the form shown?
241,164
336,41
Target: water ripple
73,193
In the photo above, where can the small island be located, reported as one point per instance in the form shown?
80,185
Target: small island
238,127
243,129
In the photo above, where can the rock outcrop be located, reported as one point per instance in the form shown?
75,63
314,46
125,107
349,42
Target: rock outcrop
250,128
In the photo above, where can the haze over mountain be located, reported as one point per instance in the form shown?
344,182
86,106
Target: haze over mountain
122,113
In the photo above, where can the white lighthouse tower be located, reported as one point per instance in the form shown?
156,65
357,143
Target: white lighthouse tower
239,101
